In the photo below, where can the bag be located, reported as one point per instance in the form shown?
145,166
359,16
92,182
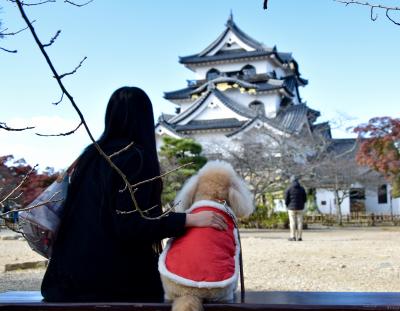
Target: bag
40,224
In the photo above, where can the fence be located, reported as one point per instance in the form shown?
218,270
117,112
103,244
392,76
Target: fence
360,219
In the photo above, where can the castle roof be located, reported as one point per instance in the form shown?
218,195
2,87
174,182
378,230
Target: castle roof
289,120
264,86
257,49
228,102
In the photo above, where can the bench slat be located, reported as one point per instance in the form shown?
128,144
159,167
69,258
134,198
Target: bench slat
32,300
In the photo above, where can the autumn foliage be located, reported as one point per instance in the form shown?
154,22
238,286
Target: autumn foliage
13,171
380,148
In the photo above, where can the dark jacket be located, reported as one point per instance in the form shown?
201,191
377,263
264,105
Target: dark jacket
295,197
100,255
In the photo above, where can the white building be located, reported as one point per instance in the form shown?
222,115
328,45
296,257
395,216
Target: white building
241,85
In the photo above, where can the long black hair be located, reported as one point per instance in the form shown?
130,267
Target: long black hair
129,118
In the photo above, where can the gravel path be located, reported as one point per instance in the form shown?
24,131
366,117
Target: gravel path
327,260
355,259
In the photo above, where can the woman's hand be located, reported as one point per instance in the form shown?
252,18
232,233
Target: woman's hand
206,219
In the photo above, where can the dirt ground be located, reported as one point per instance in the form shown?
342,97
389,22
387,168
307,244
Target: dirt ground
349,259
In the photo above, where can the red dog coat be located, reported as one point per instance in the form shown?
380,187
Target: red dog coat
203,257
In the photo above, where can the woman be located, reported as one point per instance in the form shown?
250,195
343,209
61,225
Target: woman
103,255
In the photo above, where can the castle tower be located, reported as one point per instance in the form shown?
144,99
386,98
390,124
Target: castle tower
240,84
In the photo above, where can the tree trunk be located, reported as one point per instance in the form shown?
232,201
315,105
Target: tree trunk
338,208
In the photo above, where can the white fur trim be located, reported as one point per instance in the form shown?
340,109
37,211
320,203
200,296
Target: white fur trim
232,281
219,206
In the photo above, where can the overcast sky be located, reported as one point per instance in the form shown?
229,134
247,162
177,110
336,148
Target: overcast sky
350,61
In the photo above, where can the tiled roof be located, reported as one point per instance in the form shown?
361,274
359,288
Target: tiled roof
180,94
162,122
289,120
260,49
343,146
187,92
196,59
194,125
239,109
196,105
323,129
243,127
230,25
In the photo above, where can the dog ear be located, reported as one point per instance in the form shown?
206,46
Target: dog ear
240,198
184,198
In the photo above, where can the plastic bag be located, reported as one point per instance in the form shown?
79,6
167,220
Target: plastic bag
40,224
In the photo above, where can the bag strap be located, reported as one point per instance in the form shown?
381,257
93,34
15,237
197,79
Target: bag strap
71,168
242,289
69,171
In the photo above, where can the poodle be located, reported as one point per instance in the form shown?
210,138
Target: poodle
203,264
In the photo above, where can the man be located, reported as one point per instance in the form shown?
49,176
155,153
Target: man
295,198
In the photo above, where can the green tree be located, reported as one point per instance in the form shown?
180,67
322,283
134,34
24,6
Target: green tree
177,152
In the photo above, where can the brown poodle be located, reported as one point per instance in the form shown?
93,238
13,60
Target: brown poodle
204,263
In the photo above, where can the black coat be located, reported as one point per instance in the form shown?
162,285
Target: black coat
295,197
100,255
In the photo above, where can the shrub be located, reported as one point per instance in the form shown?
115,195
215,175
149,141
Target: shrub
259,219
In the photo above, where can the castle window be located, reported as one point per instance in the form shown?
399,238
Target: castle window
257,106
249,70
212,74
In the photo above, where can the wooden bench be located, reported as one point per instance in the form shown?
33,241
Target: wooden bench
14,301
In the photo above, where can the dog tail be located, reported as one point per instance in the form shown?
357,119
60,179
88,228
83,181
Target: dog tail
187,303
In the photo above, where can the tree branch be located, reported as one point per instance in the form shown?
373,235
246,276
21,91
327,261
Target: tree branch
61,134
4,199
9,51
2,33
78,5
122,150
372,7
50,200
53,39
4,126
73,71
31,4
56,103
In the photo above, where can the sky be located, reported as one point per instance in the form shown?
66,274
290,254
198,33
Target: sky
351,62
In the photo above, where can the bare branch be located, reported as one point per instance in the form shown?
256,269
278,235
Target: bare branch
32,4
122,150
73,71
5,198
372,14
53,39
78,5
61,134
160,176
9,51
50,200
2,33
4,126
372,7
387,15
56,103
17,197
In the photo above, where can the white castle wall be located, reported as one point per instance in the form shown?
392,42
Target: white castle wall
261,66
